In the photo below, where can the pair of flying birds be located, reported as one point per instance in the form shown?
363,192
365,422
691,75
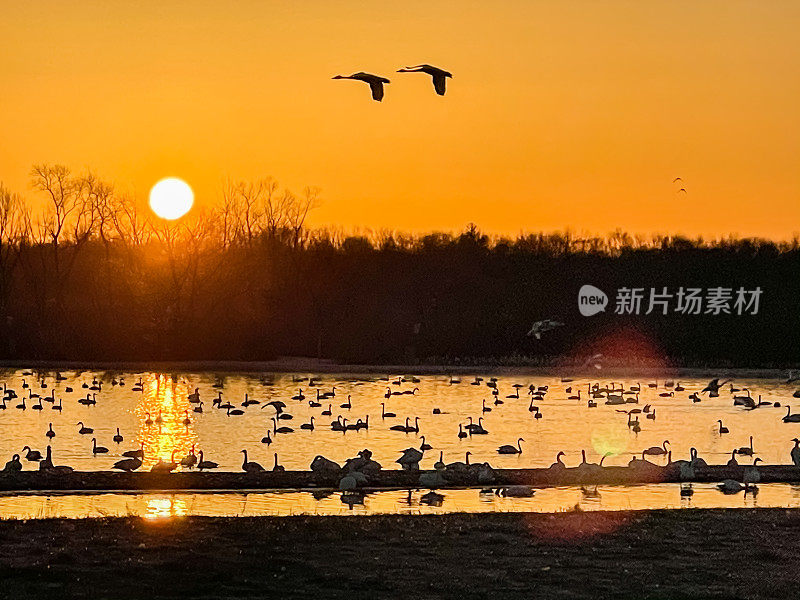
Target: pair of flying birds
376,81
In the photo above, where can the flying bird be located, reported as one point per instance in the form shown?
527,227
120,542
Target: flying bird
540,327
677,179
682,190
439,75
594,361
375,82
714,385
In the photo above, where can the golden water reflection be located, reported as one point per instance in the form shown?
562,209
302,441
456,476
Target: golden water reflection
160,413
159,507
285,503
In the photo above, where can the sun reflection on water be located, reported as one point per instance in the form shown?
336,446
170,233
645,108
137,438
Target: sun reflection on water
162,507
164,401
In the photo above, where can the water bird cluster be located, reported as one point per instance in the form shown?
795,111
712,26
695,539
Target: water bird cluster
353,473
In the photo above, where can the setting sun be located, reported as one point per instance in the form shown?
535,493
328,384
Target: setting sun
171,198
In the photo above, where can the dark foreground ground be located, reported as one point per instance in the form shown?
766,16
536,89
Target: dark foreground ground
661,554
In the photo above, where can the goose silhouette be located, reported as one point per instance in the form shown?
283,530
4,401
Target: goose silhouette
439,75
375,82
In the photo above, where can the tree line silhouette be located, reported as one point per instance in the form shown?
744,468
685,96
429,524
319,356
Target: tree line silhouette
90,275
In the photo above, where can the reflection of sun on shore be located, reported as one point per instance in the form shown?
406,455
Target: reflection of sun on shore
160,507
165,402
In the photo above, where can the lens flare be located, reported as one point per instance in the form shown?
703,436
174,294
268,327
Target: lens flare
609,440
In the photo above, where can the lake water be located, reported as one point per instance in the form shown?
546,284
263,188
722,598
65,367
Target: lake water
566,425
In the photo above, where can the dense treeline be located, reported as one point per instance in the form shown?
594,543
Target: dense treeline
92,276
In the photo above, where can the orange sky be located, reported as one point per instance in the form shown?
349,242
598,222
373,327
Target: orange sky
561,114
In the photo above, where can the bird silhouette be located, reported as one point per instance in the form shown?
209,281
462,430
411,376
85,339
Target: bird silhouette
543,326
439,75
375,82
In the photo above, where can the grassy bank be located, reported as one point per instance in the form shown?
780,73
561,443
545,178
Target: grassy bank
660,554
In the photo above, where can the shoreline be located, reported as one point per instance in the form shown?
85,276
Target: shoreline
329,367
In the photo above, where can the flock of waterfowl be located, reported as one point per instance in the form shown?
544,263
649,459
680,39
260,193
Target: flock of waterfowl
356,472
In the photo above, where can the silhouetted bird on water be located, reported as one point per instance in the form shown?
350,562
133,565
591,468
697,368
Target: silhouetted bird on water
439,75
714,385
375,82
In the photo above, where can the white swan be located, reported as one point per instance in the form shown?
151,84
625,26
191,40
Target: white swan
190,460
656,450
98,449
517,491
696,460
559,464
409,461
206,464
746,450
128,464
730,486
163,466
751,474
509,449
439,464
250,466
791,418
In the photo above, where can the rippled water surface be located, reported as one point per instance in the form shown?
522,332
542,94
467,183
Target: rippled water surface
565,424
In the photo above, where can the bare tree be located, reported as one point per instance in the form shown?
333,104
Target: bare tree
297,212
14,234
228,214
68,222
273,209
57,184
131,228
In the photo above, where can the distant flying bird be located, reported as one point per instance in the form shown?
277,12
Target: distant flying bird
682,190
375,82
594,361
540,327
439,75
677,179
